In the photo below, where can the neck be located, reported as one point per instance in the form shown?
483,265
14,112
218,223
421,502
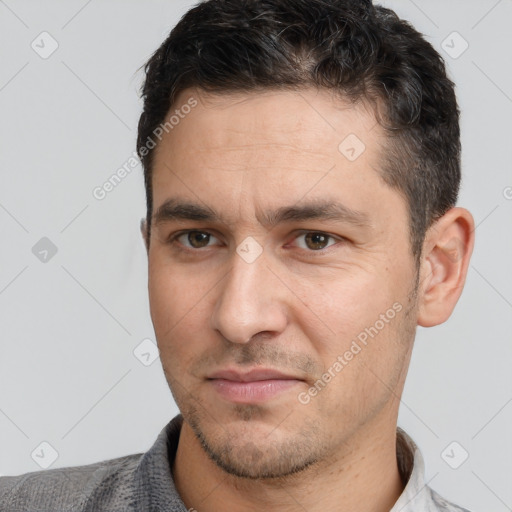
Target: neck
362,475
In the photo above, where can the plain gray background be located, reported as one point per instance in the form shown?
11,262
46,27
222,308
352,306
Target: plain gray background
70,324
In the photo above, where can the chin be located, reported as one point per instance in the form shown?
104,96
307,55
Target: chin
253,445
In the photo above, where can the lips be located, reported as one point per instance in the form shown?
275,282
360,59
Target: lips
252,375
254,386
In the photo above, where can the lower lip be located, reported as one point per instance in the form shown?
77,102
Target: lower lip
250,392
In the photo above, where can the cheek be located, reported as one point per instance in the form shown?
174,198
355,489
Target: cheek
357,336
342,308
177,303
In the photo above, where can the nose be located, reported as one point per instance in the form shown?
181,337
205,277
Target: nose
251,301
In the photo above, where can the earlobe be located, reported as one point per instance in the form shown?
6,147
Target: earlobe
446,253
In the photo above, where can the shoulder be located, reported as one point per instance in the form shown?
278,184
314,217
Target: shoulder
71,488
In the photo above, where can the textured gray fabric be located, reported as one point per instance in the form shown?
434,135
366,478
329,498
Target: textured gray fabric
140,482
143,483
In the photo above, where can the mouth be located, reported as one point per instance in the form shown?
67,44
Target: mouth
254,386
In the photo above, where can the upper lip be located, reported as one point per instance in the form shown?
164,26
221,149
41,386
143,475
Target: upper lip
251,375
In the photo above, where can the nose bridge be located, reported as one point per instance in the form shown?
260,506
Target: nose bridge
249,300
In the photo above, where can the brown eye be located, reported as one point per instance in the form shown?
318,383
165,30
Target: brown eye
198,239
316,241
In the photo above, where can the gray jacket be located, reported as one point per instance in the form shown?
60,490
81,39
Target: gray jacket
143,483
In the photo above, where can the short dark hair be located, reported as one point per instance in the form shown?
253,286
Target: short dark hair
362,51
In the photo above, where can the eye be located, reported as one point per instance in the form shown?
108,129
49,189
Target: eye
194,239
315,240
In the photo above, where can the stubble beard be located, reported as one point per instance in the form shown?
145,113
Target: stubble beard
269,457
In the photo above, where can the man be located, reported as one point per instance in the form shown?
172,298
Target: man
302,166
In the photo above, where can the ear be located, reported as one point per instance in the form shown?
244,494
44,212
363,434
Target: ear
144,233
445,259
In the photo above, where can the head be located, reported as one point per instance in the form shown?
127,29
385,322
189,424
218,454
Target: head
302,165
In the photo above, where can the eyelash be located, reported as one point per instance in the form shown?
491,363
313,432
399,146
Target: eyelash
174,238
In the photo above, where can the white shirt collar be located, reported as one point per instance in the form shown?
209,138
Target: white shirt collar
417,495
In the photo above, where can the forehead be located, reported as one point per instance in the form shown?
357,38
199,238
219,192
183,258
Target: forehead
303,121
272,147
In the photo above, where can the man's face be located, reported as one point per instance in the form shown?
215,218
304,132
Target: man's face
318,297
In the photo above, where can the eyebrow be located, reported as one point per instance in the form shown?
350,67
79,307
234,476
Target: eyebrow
174,209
